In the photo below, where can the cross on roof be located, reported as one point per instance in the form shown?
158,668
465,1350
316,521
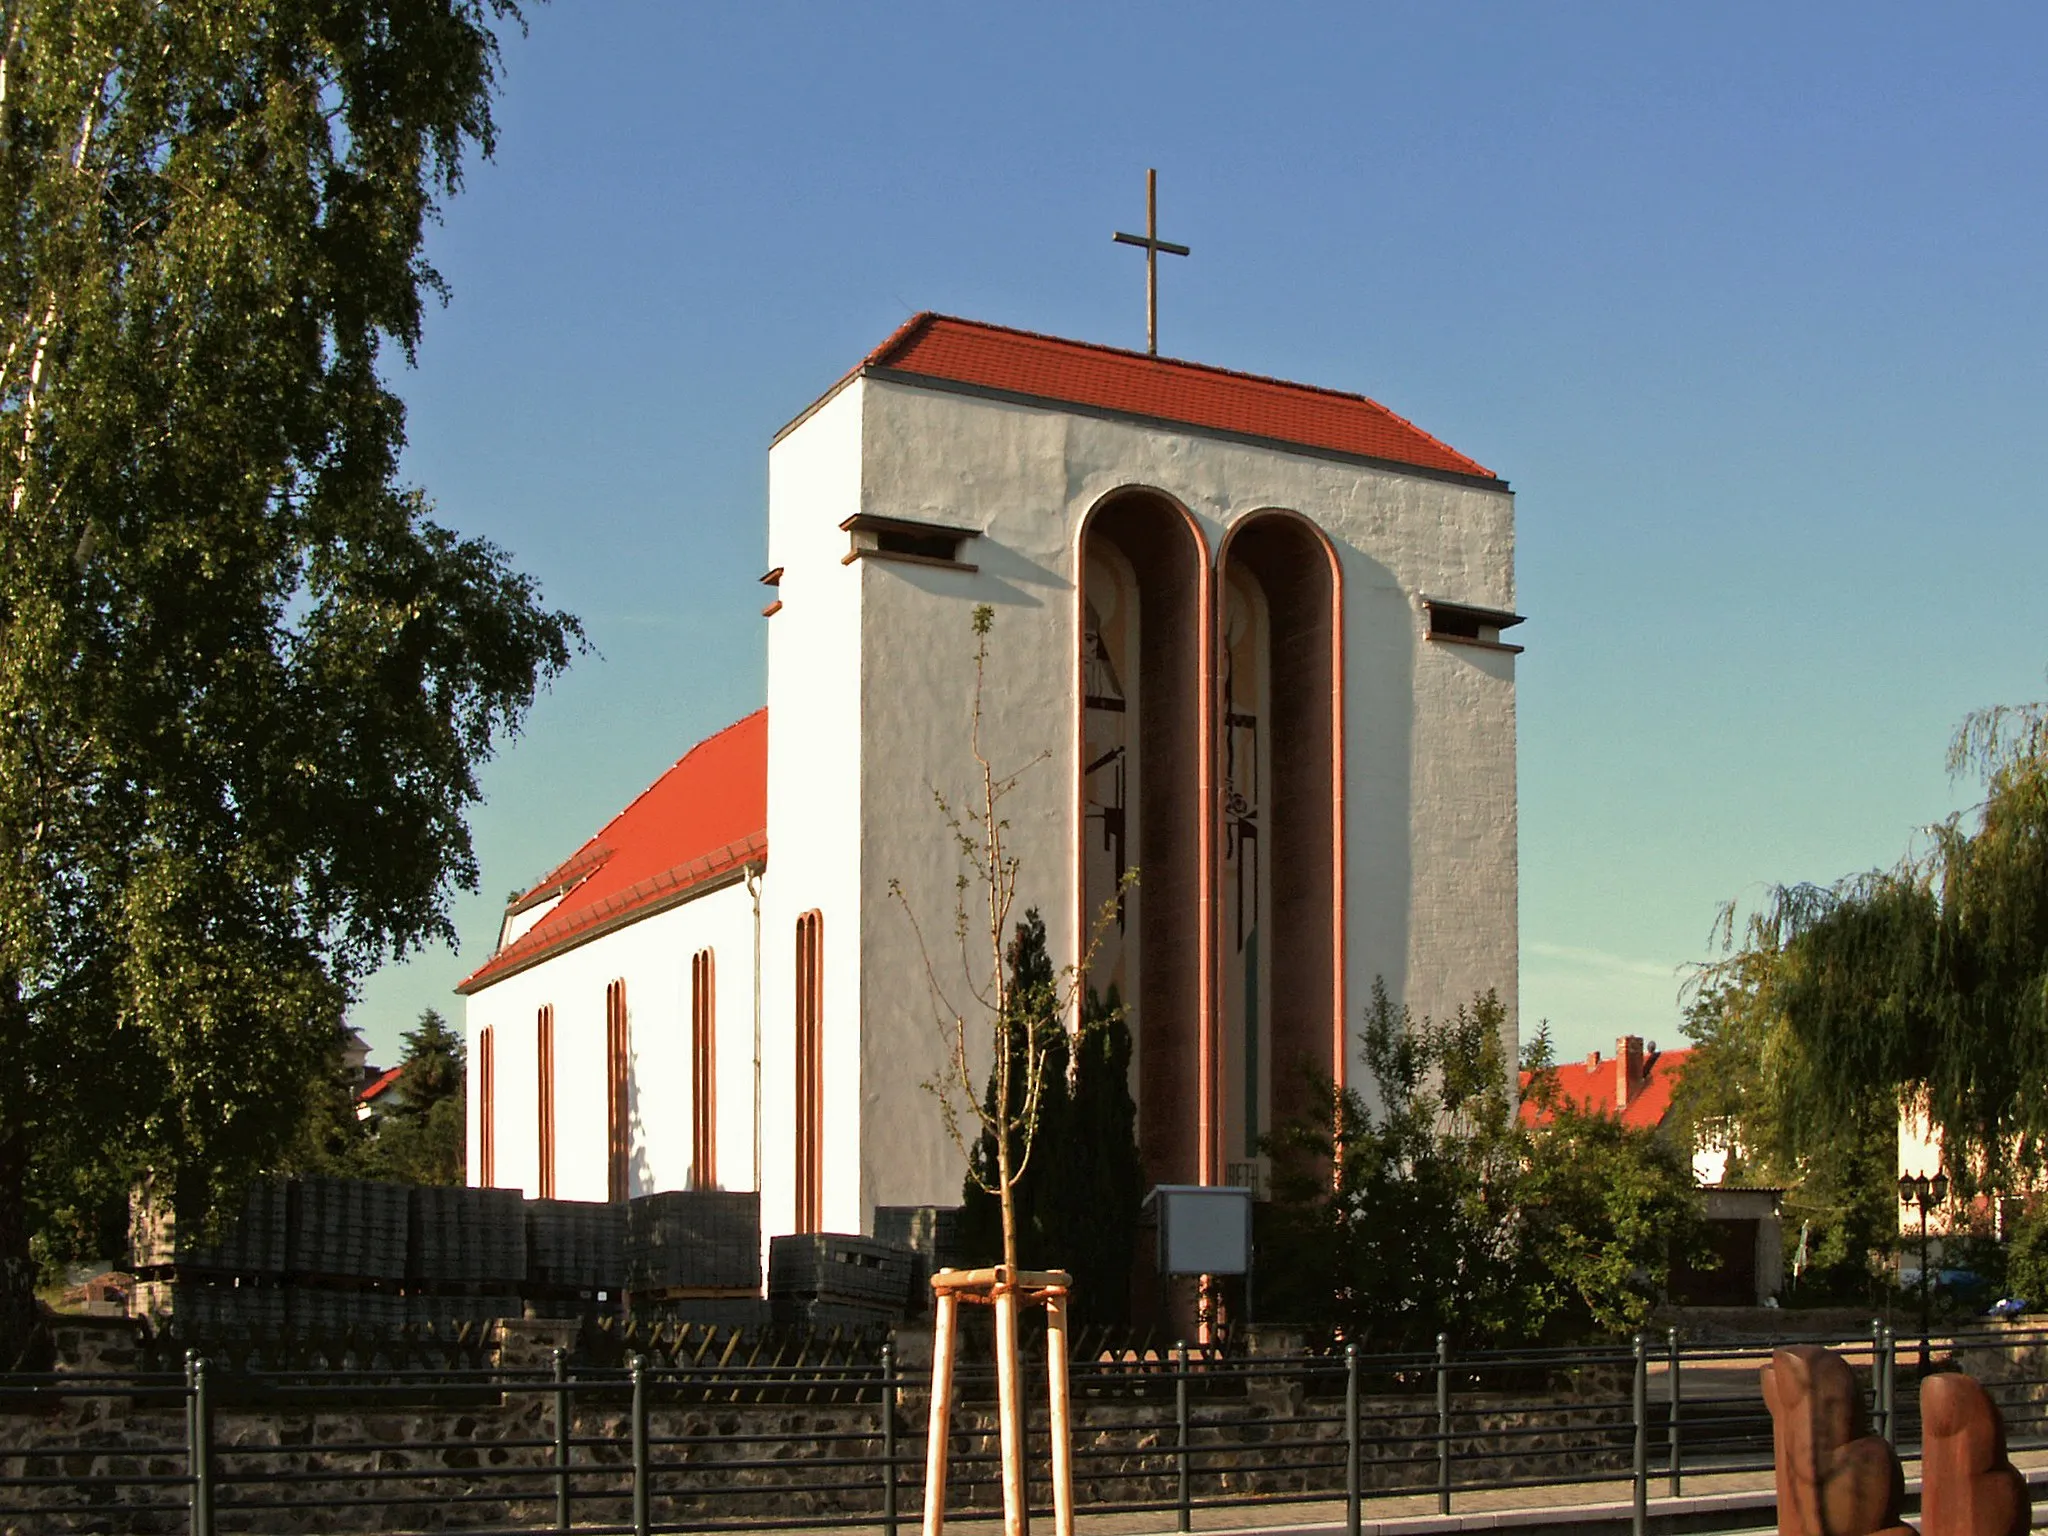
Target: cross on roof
1152,245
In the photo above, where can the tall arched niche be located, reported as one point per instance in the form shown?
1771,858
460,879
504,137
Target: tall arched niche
1279,847
1144,779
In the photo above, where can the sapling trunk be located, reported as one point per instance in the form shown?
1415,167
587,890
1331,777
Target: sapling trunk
1008,1114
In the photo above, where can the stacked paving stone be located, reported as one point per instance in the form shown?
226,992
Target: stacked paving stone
466,1253
932,1234
467,1237
574,1249
838,1280
252,1244
694,1256
213,1305
312,1309
694,1240
354,1229
348,1253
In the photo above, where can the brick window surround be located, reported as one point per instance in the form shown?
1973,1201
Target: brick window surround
810,1073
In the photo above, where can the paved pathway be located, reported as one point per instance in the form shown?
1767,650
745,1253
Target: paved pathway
1477,1510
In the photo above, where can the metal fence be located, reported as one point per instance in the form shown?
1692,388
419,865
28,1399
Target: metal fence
707,1444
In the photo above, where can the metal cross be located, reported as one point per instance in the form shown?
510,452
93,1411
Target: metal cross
1152,245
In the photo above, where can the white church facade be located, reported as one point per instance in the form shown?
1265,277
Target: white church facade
1248,637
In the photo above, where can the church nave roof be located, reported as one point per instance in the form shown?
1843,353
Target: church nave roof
701,820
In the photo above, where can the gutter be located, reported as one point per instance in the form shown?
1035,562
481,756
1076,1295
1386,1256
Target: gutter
752,874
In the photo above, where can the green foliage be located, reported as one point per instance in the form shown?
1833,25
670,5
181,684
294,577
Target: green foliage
1746,1087
1930,980
2026,1258
1927,982
1606,1209
422,1139
1393,1221
419,1135
245,680
1078,1194
332,1140
1431,1209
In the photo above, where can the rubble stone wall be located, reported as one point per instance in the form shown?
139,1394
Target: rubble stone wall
485,1458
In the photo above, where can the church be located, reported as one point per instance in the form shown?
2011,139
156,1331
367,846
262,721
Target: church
1247,643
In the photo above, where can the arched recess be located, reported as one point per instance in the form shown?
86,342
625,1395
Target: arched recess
1144,779
1280,846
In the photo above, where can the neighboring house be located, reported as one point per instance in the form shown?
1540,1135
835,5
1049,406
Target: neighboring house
1922,1155
1247,642
380,1095
1637,1083
355,1057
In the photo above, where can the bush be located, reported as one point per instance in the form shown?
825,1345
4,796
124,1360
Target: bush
1437,1211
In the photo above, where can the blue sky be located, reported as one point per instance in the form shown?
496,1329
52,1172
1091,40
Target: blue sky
1745,300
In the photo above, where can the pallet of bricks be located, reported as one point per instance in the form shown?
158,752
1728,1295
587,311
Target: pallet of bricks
694,1256
932,1234
346,1257
575,1257
466,1255
826,1280
231,1276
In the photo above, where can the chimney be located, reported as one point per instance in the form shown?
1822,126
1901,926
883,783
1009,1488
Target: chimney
1628,1069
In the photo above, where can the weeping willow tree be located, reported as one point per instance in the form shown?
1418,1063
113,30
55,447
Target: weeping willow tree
1927,981
1750,1087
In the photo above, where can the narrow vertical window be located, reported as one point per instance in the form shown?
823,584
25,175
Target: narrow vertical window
703,1071
810,1073
486,1107
618,1127
544,1033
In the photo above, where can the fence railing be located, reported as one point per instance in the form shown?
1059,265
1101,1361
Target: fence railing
708,1444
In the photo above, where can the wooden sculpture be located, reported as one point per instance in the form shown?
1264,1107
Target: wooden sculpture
1968,1487
1835,1478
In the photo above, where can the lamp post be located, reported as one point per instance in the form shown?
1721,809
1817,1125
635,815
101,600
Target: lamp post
1923,1190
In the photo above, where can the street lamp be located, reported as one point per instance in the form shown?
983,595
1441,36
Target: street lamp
1921,1190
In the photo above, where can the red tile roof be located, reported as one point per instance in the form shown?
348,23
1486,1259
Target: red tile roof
1591,1084
994,357
703,819
385,1081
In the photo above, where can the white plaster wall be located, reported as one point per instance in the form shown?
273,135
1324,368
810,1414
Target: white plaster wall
814,804
653,957
1004,471
1431,867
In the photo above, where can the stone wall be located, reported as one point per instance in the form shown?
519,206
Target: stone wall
356,1462
355,1468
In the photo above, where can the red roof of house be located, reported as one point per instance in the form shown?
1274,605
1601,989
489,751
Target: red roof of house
383,1082
1022,363
1593,1083
704,818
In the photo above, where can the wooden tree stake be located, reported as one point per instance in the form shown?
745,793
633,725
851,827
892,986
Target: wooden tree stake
1005,1289
940,1420
1061,1430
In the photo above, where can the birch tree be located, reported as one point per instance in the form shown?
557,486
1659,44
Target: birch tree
246,680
